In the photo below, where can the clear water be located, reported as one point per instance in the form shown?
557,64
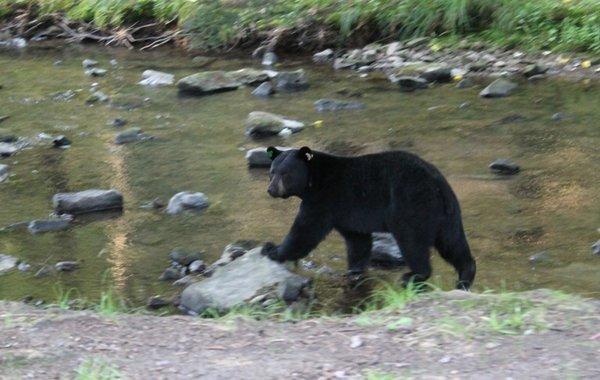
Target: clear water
553,205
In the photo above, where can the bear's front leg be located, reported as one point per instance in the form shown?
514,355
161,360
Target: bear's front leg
308,230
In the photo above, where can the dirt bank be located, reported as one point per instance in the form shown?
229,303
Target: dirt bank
536,334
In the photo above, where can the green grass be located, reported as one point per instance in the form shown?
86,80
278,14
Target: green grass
377,375
534,24
96,369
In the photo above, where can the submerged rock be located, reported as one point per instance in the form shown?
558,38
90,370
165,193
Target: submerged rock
504,166
66,266
87,201
187,201
498,88
263,124
385,252
170,274
249,76
131,135
154,78
127,101
291,81
97,97
207,82
41,226
119,122
596,248
155,303
241,281
181,257
89,63
64,96
4,172
7,263
61,142
323,105
264,90
7,149
258,157
465,83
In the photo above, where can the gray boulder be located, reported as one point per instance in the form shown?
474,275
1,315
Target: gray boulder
241,281
385,252
7,149
290,81
249,76
258,157
4,172
439,75
187,201
87,201
263,124
504,166
7,263
534,70
269,59
95,72
41,226
410,83
323,105
154,78
181,257
498,88
207,82
323,56
264,90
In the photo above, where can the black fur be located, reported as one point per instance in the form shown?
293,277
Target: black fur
395,192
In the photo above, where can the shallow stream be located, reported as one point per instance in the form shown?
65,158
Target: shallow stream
552,205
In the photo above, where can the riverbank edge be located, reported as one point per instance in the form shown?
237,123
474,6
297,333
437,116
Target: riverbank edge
439,332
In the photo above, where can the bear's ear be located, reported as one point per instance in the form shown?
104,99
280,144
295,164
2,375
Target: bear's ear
273,152
306,153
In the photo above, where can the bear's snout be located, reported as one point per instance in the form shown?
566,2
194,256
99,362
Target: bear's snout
276,188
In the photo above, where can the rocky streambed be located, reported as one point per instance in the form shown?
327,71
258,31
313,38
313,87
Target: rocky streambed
114,158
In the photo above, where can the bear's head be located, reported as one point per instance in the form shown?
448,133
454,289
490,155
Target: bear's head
289,174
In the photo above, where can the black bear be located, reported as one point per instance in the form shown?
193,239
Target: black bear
394,192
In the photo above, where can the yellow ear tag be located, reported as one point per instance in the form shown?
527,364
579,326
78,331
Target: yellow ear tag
457,77
586,64
318,123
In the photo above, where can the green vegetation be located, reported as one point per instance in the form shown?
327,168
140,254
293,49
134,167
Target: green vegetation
540,24
96,369
376,375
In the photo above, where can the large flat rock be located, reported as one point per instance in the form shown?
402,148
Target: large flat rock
241,281
207,82
87,201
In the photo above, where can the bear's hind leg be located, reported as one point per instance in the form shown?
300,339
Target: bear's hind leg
416,254
359,251
456,252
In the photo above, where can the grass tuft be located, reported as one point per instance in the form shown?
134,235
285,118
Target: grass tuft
96,369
